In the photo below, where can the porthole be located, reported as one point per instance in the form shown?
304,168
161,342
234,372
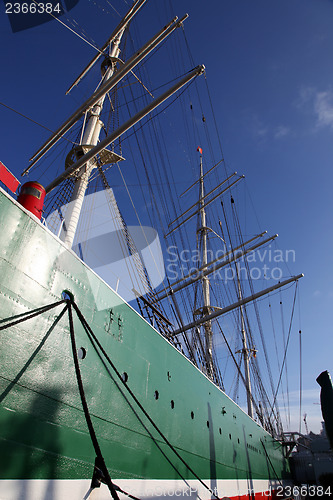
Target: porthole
192,415
220,430
82,353
229,436
156,395
208,424
124,377
172,404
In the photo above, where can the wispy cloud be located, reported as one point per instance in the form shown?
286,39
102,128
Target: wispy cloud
281,131
292,418
305,96
309,395
318,103
323,107
263,131
258,127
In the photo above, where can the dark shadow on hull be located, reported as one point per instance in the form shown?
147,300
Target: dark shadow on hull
31,358
30,449
250,485
212,453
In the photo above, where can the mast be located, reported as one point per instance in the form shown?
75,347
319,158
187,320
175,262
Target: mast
90,138
236,305
216,264
246,352
103,89
204,280
84,156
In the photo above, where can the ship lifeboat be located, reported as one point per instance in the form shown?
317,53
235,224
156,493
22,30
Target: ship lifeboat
31,197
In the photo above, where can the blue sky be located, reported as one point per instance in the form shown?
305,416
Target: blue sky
270,73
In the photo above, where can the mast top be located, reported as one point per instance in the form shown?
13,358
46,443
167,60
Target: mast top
121,26
106,87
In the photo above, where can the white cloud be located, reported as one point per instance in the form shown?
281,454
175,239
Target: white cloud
323,107
318,103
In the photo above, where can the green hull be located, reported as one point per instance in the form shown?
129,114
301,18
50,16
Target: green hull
43,430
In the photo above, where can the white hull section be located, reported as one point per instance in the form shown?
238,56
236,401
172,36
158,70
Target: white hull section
43,489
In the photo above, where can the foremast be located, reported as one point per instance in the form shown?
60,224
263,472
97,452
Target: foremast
90,137
91,151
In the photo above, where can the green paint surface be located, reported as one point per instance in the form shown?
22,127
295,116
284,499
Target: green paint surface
43,433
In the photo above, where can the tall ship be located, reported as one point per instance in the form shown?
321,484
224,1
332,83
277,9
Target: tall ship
128,364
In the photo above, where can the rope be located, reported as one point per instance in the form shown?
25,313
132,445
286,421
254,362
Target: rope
286,368
262,336
300,365
276,349
91,334
20,318
30,119
300,381
75,33
28,315
100,460
270,462
86,410
33,355
286,349
157,267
